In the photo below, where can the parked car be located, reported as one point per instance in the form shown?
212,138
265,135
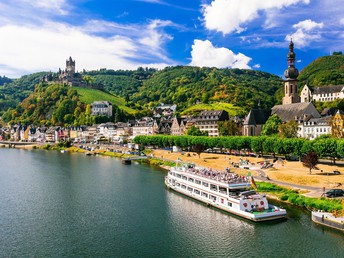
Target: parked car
336,172
334,193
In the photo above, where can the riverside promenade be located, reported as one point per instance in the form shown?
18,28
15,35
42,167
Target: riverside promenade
284,173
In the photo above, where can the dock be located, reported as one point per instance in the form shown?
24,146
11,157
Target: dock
328,219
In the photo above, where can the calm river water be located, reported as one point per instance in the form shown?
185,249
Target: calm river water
54,204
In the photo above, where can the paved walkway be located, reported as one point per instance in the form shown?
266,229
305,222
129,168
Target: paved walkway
312,191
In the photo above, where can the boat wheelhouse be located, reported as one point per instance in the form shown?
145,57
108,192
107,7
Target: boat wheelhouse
223,190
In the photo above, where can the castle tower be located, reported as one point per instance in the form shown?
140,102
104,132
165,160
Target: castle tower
291,82
70,66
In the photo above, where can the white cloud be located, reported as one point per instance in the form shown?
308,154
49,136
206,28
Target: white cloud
256,66
306,33
205,54
26,49
341,21
229,16
35,42
308,25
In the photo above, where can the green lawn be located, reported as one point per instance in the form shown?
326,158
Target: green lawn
89,95
231,109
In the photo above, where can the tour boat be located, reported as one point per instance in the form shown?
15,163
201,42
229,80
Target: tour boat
223,190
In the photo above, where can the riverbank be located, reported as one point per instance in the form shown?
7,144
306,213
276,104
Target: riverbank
288,172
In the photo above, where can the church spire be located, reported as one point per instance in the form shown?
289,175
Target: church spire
291,72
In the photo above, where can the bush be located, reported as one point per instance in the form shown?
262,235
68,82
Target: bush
47,146
284,197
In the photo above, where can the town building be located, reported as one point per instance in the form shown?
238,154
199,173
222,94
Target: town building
292,108
315,127
322,94
337,124
296,111
165,110
178,126
207,121
101,108
254,121
143,127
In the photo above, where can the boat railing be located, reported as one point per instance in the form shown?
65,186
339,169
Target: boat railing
222,177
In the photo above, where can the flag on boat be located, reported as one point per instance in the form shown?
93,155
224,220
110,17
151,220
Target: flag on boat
253,183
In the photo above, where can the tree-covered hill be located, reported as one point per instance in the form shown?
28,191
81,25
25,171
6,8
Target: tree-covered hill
55,104
88,95
121,82
187,85
231,109
12,92
326,70
4,80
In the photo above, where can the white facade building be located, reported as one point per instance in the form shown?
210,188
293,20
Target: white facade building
101,108
322,94
315,127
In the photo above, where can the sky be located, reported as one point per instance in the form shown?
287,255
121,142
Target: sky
39,35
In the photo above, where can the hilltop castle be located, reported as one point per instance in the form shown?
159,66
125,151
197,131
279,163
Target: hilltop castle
70,77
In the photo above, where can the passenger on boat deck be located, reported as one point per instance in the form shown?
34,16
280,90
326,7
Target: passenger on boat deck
225,176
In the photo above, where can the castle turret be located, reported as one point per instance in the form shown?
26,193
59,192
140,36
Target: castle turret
70,66
291,82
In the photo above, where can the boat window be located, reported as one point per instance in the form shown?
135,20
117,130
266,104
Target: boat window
197,182
229,204
205,195
177,184
223,190
185,178
191,179
190,189
212,197
205,184
184,186
197,191
179,176
213,187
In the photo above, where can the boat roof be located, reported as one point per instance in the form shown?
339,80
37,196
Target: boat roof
231,185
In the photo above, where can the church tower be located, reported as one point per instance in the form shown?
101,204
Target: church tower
291,82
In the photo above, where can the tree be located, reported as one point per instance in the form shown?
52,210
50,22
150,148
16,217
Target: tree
198,148
228,127
271,125
288,130
310,160
195,131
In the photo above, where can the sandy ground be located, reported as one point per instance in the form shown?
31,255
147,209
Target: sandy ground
285,171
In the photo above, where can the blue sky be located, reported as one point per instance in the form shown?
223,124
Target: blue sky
125,34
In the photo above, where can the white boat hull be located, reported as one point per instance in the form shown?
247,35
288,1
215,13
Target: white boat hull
274,213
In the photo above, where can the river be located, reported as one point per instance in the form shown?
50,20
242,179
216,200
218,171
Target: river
56,204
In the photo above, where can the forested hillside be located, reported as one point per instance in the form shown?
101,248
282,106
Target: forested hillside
14,91
4,80
326,70
54,104
191,88
123,83
188,85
